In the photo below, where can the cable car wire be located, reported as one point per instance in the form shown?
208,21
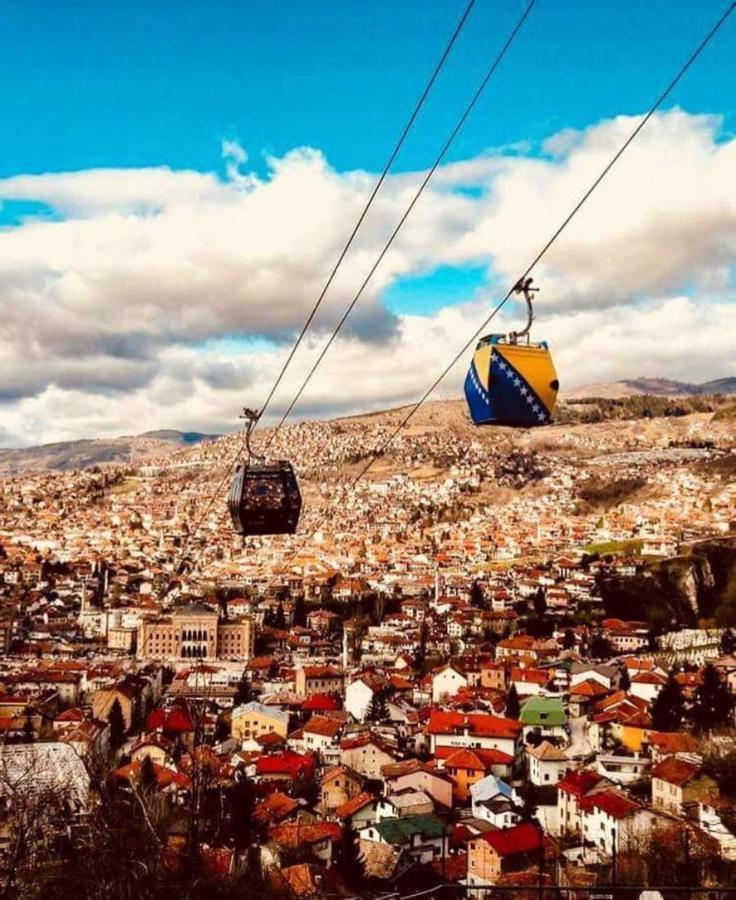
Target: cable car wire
420,190
381,450
391,159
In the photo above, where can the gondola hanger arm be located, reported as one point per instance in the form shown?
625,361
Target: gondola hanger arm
524,286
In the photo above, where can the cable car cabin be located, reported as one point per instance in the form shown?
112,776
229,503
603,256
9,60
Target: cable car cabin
265,499
511,383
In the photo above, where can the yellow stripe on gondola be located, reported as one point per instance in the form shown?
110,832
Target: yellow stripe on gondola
535,365
482,360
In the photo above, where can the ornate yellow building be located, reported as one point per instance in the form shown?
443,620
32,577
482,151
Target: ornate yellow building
196,632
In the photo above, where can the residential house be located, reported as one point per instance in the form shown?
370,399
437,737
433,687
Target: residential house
496,853
367,754
546,764
340,784
677,785
447,682
495,802
318,680
421,837
253,720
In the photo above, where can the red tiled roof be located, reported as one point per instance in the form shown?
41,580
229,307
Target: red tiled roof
579,782
513,841
298,833
674,771
321,703
588,688
286,763
478,724
613,803
481,759
352,806
674,742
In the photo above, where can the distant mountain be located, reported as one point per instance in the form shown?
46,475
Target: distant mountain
83,454
661,387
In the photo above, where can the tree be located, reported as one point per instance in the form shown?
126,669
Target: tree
148,775
243,692
279,621
624,682
477,597
669,707
712,703
117,725
600,647
378,707
512,703
540,602
728,642
300,612
241,803
349,862
568,639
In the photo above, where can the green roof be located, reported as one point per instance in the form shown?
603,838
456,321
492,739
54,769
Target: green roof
544,711
399,831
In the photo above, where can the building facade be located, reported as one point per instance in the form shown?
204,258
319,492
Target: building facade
195,631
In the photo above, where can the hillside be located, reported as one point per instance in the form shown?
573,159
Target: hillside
657,387
68,455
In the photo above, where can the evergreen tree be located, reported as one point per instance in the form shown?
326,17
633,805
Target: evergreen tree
300,612
512,703
117,725
243,693
279,621
568,639
600,647
625,681
148,775
669,707
728,642
349,862
477,597
241,803
540,603
378,707
712,703
29,733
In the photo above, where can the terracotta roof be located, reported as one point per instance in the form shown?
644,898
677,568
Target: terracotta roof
477,758
612,803
275,807
513,841
674,771
478,724
347,809
323,726
674,741
297,833
579,782
588,688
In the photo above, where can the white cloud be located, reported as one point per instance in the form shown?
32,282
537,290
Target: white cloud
112,318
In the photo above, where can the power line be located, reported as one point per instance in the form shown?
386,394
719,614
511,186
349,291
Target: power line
438,160
381,450
392,157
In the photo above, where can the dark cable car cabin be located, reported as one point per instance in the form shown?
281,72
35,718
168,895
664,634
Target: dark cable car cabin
512,383
265,499
264,496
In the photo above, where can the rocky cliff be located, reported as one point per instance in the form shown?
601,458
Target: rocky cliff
678,591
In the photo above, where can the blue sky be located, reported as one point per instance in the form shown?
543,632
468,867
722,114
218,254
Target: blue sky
134,267
155,82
